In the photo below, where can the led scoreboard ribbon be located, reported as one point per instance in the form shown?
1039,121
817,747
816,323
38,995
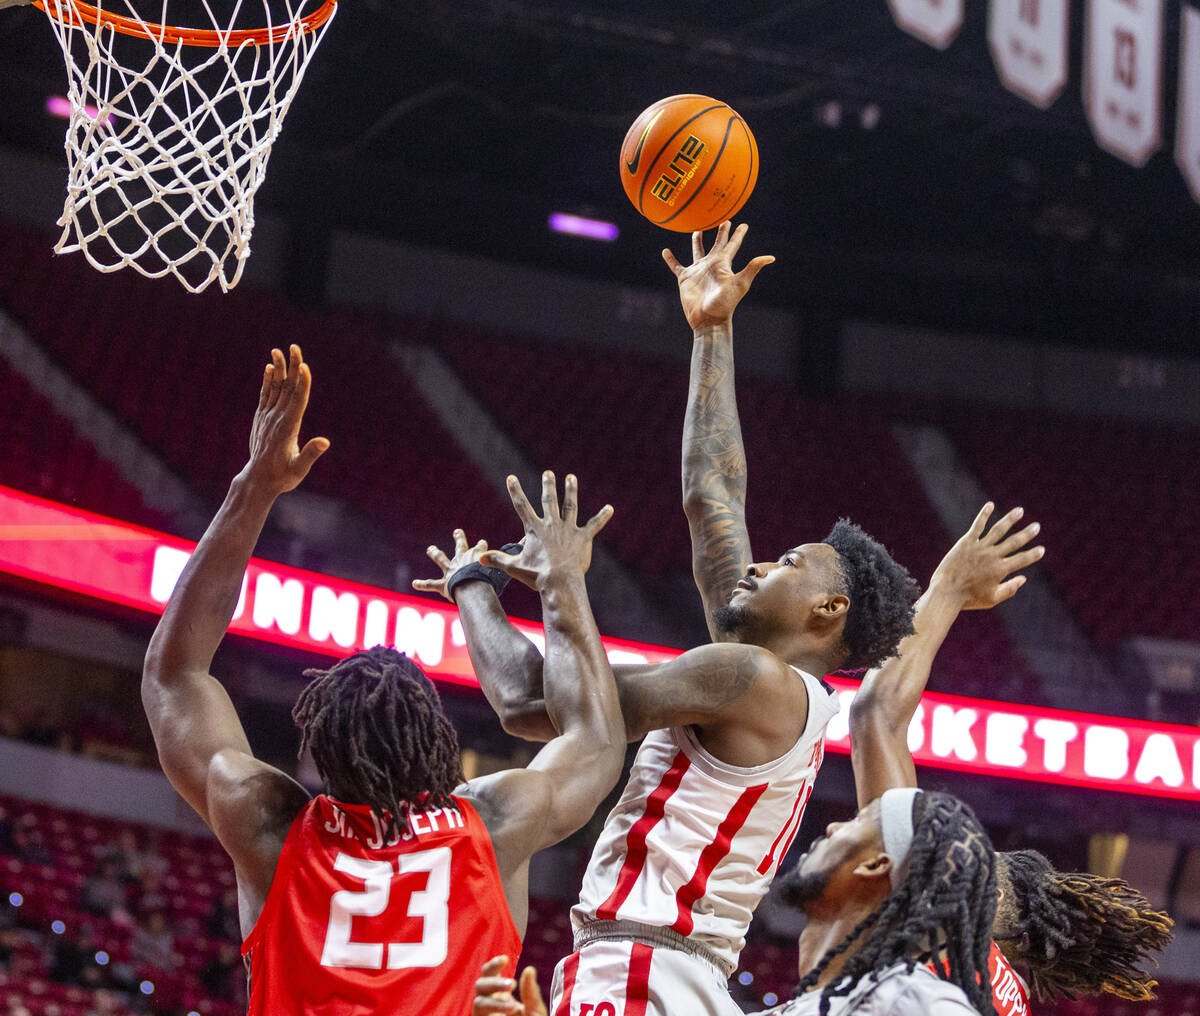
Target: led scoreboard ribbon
119,563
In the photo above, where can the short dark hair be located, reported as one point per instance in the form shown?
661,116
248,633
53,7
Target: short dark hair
377,733
882,594
1081,934
947,896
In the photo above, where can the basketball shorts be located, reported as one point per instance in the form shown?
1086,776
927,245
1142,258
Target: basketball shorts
627,978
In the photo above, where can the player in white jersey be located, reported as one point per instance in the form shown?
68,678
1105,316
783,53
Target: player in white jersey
736,728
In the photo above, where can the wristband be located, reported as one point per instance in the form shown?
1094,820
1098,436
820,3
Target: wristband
497,578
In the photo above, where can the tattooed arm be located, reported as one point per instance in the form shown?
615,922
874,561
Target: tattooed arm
714,459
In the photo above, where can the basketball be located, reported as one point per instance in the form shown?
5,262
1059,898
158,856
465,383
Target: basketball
689,162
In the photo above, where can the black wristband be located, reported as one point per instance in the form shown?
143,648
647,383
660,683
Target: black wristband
497,578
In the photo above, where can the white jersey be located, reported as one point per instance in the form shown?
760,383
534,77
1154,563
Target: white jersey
693,844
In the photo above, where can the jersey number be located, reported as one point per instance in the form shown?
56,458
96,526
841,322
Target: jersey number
430,904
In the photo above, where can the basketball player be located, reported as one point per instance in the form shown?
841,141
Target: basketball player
911,868
1072,934
734,730
369,898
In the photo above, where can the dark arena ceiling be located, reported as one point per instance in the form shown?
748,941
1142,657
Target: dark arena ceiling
898,181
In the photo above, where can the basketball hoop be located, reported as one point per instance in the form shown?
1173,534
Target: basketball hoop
170,132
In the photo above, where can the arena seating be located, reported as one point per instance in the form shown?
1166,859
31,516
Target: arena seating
44,455
1102,487
201,359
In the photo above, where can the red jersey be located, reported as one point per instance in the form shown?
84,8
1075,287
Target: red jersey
1010,996
356,926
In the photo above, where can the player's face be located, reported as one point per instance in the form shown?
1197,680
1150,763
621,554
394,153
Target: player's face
788,588
826,871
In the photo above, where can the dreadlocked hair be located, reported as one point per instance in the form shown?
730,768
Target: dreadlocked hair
1081,934
945,902
882,594
377,733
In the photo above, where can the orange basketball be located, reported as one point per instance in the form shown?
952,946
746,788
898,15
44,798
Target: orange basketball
689,162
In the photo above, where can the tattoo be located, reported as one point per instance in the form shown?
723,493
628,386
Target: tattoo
714,470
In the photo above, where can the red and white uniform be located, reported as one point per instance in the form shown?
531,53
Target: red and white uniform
1010,994
356,926
684,858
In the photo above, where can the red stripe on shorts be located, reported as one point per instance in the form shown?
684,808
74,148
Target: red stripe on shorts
635,841
712,855
637,986
570,969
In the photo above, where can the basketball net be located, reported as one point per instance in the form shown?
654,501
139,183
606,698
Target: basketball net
170,132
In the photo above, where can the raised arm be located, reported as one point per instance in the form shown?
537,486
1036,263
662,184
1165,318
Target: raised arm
529,809
974,575
713,687
714,459
201,744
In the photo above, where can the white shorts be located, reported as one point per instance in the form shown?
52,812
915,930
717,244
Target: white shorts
627,978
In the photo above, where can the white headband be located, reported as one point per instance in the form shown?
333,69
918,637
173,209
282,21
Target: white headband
895,816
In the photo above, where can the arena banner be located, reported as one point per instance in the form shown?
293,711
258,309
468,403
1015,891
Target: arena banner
118,563
1028,40
1187,123
1122,76
936,22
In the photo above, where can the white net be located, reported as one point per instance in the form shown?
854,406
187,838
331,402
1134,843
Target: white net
168,141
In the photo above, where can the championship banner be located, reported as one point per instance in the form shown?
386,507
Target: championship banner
118,563
1028,40
1122,76
933,21
1187,123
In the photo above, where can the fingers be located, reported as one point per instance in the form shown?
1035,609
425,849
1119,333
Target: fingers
494,985
498,559
1007,590
460,542
485,1005
520,502
532,994
570,506
438,557
493,966
428,585
265,392
735,241
980,523
1019,539
1001,528
1024,559
672,262
750,272
278,375
697,246
722,238
313,450
599,520
550,508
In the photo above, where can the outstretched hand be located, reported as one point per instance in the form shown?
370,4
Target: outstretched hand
494,994
464,554
978,566
276,459
553,544
709,288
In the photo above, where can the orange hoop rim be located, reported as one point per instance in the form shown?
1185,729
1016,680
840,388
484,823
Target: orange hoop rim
84,13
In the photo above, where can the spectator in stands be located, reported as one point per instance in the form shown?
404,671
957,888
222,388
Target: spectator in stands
104,1003
74,959
6,831
27,841
103,893
132,862
42,729
150,895
152,943
223,921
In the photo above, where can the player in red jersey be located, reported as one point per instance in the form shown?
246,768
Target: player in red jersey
382,894
1070,934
